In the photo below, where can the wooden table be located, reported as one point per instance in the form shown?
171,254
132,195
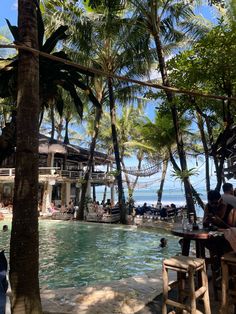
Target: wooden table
199,236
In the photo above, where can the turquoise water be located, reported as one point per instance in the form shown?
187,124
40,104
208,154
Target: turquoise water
74,254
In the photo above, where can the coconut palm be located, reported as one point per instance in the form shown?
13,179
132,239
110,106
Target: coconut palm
24,247
160,135
103,37
167,22
53,76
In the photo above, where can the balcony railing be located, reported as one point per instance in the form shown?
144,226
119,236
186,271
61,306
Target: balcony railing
10,172
55,171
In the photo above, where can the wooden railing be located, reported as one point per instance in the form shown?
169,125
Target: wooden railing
10,172
55,171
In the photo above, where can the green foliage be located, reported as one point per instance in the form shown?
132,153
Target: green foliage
210,65
181,175
53,74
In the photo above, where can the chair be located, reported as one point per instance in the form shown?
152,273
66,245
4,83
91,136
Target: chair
228,261
185,265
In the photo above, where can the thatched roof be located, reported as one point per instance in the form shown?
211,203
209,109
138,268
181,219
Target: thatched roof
73,152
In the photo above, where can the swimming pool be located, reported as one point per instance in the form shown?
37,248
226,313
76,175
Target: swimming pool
73,254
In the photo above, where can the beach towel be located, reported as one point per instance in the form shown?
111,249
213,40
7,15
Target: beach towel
230,235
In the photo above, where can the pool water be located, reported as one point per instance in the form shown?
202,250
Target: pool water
73,254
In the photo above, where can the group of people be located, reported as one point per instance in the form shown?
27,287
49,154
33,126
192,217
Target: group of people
220,212
70,209
100,209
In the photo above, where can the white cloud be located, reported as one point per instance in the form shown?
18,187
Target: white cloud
14,5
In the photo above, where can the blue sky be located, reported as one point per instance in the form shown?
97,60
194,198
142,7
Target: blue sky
8,9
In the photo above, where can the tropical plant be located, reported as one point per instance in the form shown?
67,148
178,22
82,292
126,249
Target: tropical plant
103,36
54,75
210,66
168,22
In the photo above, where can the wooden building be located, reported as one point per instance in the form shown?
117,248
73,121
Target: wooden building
61,169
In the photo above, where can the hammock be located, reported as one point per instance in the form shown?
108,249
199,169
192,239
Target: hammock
146,171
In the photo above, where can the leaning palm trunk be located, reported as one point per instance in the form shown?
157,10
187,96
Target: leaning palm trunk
121,196
24,246
80,214
179,139
200,124
194,192
163,176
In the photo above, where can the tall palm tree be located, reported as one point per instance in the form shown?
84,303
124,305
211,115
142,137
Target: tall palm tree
104,38
160,136
167,22
24,246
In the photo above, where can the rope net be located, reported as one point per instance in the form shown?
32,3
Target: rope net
146,171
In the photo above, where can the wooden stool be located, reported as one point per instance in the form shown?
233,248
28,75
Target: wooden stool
186,265
214,262
228,260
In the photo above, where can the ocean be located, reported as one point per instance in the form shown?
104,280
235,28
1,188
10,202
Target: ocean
149,196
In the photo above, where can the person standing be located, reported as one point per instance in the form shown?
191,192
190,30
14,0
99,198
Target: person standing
228,196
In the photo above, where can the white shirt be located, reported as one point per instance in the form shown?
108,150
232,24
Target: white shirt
229,199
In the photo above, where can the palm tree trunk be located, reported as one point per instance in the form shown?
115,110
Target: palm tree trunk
163,176
104,195
52,123
80,213
66,138
205,147
121,196
194,192
178,134
24,246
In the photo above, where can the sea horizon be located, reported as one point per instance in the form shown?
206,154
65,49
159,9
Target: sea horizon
149,196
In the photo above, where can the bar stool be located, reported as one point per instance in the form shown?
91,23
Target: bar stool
185,265
228,260
214,262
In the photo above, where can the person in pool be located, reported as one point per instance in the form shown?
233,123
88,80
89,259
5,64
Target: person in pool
5,228
163,242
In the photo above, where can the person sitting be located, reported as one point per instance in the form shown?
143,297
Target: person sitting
70,208
108,206
52,208
228,197
218,213
163,242
163,212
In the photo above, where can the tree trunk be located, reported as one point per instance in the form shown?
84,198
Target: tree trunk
52,123
205,147
178,134
24,246
104,195
194,192
66,138
80,213
121,196
163,176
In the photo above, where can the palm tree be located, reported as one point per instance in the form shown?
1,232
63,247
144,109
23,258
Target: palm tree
54,76
160,136
167,22
24,248
105,47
